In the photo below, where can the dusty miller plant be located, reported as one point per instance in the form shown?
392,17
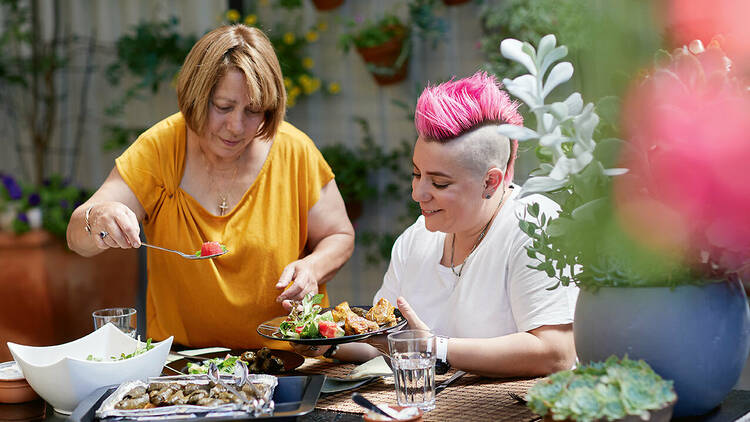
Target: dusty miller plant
576,172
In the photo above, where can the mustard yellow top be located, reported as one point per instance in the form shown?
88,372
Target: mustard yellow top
220,302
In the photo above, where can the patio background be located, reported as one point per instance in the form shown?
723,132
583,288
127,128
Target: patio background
327,119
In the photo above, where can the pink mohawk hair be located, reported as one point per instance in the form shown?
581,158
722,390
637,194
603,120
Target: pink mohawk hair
450,109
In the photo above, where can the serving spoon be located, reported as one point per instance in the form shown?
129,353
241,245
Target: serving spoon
185,255
214,375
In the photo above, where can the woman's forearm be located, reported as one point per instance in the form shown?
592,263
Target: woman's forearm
356,352
518,354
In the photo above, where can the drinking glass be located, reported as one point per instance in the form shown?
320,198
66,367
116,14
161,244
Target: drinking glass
122,318
413,360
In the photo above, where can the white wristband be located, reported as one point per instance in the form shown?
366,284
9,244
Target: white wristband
441,348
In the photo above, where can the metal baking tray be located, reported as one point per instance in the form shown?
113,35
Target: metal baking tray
294,396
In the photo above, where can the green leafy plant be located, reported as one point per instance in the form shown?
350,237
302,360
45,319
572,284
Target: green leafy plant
355,167
388,64
574,168
586,243
150,55
358,171
46,206
525,20
612,389
365,33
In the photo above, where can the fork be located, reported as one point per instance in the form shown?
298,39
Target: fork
517,398
184,255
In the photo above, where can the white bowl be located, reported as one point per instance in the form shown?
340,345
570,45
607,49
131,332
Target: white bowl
63,377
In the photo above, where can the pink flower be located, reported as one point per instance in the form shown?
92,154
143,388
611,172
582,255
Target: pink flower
706,19
689,125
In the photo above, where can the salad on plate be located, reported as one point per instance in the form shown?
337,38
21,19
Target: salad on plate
306,321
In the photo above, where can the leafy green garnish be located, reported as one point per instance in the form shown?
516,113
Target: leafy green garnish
225,365
611,389
138,351
303,323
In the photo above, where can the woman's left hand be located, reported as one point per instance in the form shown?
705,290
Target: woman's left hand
412,319
303,281
413,323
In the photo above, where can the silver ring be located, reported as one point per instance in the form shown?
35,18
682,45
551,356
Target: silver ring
103,234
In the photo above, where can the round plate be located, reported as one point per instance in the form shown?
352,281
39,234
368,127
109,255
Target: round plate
270,329
291,360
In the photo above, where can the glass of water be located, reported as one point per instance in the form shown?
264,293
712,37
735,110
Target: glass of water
413,360
122,318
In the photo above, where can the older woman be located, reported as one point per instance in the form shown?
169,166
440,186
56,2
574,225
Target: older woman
225,168
462,265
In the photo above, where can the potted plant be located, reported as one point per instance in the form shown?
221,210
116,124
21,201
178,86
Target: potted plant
674,301
383,45
352,176
613,390
356,168
367,172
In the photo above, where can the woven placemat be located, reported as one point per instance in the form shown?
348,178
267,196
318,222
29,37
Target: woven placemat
469,398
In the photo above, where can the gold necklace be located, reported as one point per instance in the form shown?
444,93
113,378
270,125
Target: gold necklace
223,204
479,239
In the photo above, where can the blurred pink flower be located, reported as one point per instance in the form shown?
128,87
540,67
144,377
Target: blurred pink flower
689,128
705,19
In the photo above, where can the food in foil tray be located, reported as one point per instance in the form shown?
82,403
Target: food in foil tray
185,395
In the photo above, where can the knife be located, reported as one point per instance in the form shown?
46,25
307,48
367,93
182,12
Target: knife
449,381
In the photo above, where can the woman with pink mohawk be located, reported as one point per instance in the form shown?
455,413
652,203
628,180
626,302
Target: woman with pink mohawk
461,269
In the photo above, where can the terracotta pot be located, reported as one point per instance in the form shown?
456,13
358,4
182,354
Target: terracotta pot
454,2
327,4
384,56
47,292
16,391
30,411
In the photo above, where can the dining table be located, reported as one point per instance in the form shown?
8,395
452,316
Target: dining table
468,398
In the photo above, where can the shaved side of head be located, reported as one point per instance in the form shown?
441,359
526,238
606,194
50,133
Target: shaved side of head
481,149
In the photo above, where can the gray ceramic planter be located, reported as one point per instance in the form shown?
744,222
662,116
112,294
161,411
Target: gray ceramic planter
698,336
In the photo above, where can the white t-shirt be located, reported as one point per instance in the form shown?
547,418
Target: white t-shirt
497,294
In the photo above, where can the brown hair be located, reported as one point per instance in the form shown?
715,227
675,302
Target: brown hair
236,47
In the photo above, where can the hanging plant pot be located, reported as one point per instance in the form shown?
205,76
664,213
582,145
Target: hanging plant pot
454,2
327,4
698,336
388,62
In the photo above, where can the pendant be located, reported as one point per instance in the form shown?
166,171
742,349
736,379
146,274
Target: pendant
223,206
